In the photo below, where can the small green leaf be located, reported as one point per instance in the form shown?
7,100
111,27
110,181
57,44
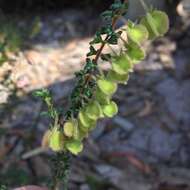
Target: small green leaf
43,93
113,39
97,39
107,14
107,30
92,51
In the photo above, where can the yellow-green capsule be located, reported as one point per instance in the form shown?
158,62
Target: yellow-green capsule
156,22
101,97
122,64
111,109
135,52
74,146
71,128
93,110
85,120
68,128
56,142
83,133
116,77
137,33
46,139
107,87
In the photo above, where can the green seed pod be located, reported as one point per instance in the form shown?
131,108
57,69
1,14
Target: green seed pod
56,141
156,22
74,146
86,129
115,77
68,128
83,133
75,129
135,52
122,64
101,97
85,120
111,109
93,110
137,33
107,87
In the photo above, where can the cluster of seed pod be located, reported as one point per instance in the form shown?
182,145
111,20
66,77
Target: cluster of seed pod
70,137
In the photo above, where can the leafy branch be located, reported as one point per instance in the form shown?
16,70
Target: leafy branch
91,99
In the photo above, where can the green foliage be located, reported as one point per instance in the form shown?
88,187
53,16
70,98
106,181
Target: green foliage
91,98
3,187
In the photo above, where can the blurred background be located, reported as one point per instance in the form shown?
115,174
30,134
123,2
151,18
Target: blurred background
145,147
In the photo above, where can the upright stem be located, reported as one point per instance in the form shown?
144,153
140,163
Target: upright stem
61,164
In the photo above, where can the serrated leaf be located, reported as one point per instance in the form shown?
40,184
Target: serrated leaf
97,39
107,14
92,51
113,39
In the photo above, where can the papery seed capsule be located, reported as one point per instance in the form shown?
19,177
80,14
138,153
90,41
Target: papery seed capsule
107,87
74,146
76,130
71,128
101,97
135,52
93,110
56,142
111,109
122,64
85,120
46,139
83,133
156,22
137,33
68,128
115,77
